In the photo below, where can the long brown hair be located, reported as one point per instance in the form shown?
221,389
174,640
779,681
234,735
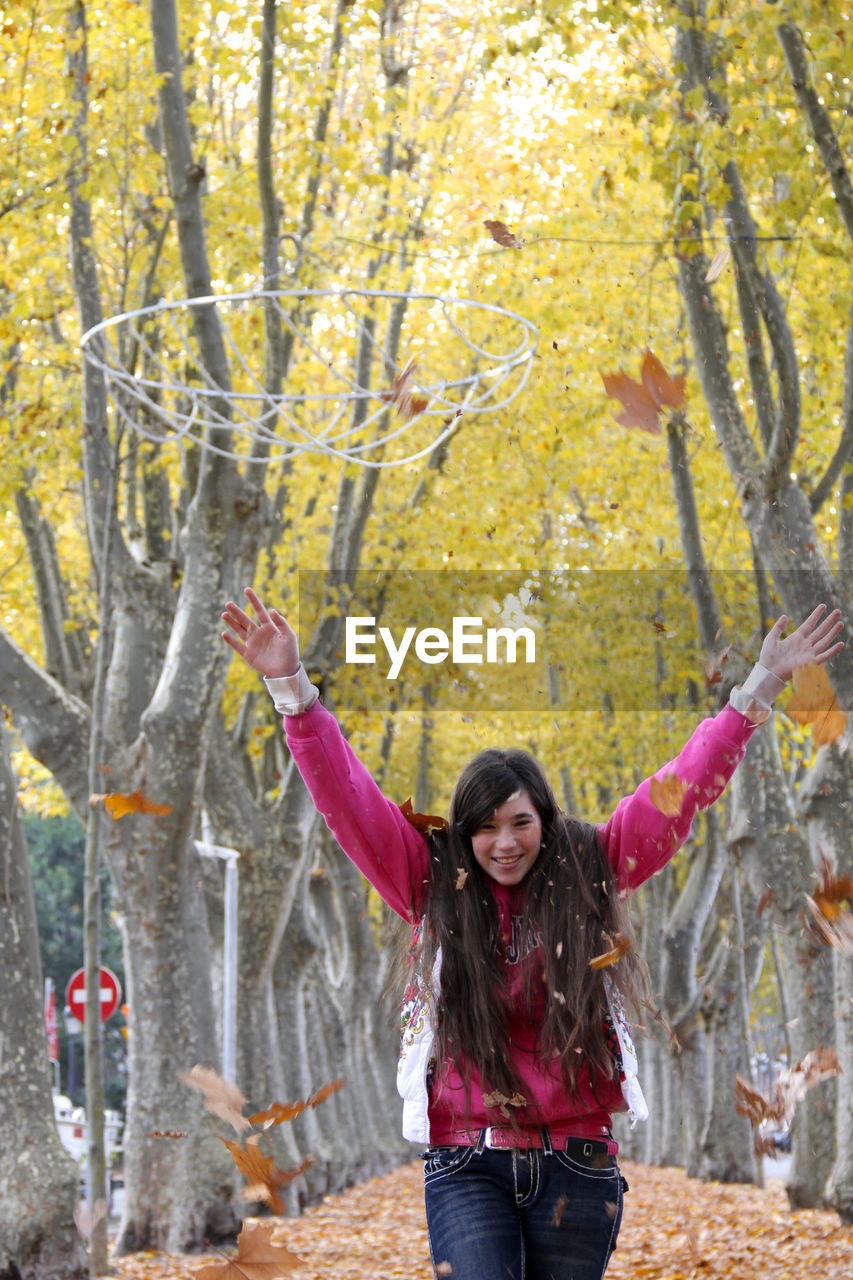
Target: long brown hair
571,904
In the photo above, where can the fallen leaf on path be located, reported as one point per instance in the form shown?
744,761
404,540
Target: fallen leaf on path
257,1257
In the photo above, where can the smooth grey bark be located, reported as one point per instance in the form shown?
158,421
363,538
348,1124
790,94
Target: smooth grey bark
824,804
654,1048
775,855
681,994
727,1146
38,1237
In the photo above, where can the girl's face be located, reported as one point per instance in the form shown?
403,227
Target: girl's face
507,844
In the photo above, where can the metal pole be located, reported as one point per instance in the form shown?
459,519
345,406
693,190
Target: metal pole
229,974
208,849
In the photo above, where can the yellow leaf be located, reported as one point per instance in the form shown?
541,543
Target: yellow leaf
814,704
667,794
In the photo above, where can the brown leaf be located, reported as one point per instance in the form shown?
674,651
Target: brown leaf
257,1257
168,1133
791,1087
813,703
501,234
118,805
264,1179
621,946
764,901
279,1112
830,907
422,821
663,389
221,1097
667,794
402,396
461,877
714,666
639,407
562,1201
501,1101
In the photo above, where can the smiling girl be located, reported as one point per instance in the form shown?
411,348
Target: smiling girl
515,1051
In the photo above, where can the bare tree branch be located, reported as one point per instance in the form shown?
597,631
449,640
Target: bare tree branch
819,121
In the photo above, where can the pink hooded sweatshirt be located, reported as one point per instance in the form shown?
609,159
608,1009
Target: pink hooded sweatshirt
392,854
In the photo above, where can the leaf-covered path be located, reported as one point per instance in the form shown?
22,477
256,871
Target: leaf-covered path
675,1228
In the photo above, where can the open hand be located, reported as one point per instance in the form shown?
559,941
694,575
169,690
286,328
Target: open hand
811,642
268,645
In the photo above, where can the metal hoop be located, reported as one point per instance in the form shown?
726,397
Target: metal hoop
175,398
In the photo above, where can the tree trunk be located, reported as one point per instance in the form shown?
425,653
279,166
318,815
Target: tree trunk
38,1238
825,808
726,1153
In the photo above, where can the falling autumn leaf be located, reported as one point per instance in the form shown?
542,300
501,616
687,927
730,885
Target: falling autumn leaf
461,877
169,1133
639,407
562,1201
221,1097
666,391
714,666
257,1257
118,805
765,899
501,1101
814,704
422,821
667,794
620,947
501,234
642,401
264,1179
404,399
279,1112
790,1089
84,1221
831,908
719,262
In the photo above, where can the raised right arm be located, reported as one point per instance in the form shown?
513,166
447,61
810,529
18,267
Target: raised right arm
371,830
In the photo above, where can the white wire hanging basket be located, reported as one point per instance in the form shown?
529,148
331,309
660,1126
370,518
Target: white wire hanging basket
341,393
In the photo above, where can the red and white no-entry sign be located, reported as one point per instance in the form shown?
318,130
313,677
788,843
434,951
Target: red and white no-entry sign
110,992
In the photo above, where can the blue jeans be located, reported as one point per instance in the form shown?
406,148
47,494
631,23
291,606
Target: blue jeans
521,1214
